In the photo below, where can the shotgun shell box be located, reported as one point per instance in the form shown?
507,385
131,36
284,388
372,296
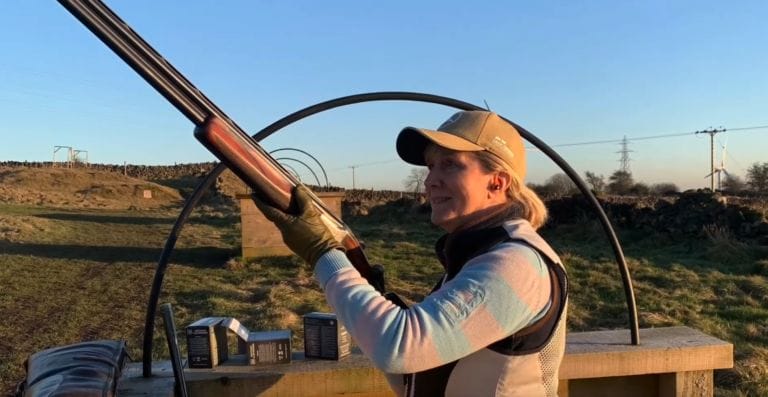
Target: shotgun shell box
324,337
269,347
206,343
240,331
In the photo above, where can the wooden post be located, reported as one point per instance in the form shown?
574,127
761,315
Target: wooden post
687,384
259,237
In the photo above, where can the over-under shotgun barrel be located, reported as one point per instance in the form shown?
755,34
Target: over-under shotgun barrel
222,136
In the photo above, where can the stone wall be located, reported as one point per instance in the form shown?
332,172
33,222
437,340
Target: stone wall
689,213
145,172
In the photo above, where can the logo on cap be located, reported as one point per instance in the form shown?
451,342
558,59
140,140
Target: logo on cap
499,147
497,140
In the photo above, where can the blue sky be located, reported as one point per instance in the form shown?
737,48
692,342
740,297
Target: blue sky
569,72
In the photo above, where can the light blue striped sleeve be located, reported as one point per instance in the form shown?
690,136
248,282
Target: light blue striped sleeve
493,296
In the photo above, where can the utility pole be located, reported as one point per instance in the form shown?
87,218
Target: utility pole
353,175
712,131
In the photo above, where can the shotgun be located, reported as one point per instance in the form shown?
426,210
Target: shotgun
213,128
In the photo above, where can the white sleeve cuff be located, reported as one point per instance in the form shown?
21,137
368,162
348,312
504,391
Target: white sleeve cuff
329,264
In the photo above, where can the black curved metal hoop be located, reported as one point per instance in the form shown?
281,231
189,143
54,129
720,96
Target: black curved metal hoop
290,169
319,164
311,171
371,97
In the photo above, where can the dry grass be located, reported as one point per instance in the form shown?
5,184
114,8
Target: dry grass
82,188
77,274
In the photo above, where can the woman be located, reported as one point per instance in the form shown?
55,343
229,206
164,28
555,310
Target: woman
495,323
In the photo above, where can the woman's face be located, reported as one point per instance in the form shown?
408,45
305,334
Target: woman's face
458,188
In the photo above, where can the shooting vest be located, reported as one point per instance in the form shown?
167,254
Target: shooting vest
523,364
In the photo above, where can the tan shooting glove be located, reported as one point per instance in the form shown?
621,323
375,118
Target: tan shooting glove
304,233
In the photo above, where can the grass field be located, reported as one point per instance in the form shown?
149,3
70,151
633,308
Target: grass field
73,275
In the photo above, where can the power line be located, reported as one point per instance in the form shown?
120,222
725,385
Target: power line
627,139
759,127
366,164
642,138
621,140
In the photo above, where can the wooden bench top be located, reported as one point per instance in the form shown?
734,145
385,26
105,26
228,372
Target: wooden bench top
599,354
589,355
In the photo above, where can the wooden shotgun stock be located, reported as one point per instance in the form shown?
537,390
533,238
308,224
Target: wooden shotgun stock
217,132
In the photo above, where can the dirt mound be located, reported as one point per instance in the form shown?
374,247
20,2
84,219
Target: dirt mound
82,188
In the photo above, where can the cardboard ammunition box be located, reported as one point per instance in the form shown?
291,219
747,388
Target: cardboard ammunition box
206,343
269,347
240,331
324,337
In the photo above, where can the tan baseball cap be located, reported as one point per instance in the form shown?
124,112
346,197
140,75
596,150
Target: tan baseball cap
467,131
